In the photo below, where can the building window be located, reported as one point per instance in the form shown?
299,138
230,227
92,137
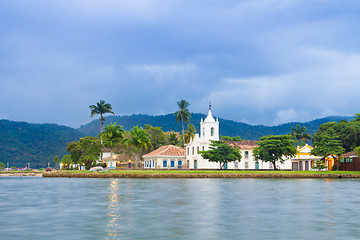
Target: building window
212,131
172,163
236,164
246,165
203,131
188,151
192,150
179,164
165,164
246,154
203,148
197,150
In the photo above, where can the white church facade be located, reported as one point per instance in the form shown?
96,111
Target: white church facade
209,130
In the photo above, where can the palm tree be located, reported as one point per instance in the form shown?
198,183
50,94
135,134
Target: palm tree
101,108
190,133
139,140
112,135
183,115
299,133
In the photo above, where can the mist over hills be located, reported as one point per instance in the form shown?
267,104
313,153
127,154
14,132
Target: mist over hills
22,143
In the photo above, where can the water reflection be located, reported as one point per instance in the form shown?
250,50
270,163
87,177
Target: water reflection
179,209
113,213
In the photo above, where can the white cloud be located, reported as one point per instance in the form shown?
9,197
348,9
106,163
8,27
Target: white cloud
284,116
164,73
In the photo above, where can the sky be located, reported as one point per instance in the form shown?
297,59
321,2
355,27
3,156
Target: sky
257,61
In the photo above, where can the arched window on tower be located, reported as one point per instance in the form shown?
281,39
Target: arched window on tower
212,131
203,131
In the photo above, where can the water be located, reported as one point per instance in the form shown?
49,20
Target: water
59,208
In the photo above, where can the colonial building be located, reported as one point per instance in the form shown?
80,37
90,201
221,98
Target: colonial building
304,161
165,157
209,130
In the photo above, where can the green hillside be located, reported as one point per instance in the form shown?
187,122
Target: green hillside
227,127
22,142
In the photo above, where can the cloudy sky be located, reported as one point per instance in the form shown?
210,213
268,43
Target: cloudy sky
257,61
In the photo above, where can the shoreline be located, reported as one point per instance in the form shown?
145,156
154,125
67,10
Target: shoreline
21,174
196,175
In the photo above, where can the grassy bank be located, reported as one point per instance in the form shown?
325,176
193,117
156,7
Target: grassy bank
203,174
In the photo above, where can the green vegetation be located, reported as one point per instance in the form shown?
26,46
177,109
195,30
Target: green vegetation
101,108
227,127
274,148
113,134
139,141
222,153
348,133
299,133
183,115
22,143
236,138
1,165
86,151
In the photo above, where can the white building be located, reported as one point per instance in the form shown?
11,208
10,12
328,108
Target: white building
165,157
209,130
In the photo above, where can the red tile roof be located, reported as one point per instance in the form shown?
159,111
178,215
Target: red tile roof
244,144
168,150
349,154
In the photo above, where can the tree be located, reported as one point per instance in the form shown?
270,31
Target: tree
357,117
56,160
101,108
173,139
227,138
138,141
66,161
299,134
112,135
183,115
86,151
357,151
221,152
330,145
2,165
190,133
157,136
273,148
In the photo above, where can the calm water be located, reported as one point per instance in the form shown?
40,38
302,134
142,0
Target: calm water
45,208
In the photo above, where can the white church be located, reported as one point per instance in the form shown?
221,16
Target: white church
209,130
172,157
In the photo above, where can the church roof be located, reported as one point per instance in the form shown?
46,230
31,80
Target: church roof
168,150
244,144
209,117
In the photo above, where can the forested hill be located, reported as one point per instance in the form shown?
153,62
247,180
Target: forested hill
227,127
22,142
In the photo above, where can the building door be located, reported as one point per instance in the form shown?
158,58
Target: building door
295,166
195,164
256,165
306,165
300,165
226,166
179,164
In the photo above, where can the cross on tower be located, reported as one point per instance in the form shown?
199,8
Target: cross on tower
210,105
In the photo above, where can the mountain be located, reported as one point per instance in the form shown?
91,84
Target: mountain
227,127
22,143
